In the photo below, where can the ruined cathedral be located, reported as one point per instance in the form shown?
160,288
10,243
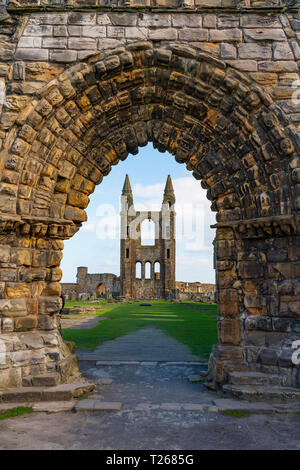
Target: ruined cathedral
147,269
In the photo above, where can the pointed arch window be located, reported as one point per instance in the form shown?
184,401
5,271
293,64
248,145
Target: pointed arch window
147,232
138,270
148,270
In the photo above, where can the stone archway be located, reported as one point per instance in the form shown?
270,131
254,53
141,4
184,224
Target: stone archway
228,132
101,290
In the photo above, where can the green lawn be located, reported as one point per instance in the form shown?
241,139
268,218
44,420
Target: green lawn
14,412
189,323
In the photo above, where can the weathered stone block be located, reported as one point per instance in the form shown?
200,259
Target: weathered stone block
31,54
182,20
268,357
193,34
250,269
282,51
115,31
163,34
254,51
17,290
38,30
13,307
82,43
7,325
209,21
228,51
54,43
47,323
60,31
93,32
264,35
78,18
34,42
119,19
229,331
157,20
260,21
223,35
63,56
30,322
49,305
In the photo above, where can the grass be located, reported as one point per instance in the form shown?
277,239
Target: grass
194,327
237,414
14,412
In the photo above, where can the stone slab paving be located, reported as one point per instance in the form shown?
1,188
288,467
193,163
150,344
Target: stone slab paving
92,404
146,344
150,407
149,429
82,323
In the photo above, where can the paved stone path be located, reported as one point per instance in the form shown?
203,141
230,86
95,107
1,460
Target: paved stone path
152,406
86,323
146,344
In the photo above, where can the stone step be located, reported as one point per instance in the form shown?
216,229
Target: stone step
253,378
46,380
231,405
261,393
94,404
64,392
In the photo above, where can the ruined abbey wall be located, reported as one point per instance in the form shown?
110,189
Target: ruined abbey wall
85,83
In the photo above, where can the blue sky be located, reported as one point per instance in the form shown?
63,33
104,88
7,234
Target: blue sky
96,245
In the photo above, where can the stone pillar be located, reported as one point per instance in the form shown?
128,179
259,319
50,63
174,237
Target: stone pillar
258,292
229,353
30,303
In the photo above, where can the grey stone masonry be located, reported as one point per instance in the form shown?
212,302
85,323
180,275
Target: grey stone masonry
266,45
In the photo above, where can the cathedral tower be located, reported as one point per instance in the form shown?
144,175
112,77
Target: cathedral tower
148,267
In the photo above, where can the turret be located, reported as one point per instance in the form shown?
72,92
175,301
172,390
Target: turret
169,195
127,197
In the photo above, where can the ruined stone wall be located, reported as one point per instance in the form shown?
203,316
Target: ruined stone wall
158,285
196,291
211,83
69,290
263,44
88,283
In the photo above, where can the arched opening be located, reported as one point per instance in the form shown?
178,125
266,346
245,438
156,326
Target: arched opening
148,232
148,267
218,122
138,270
157,270
101,290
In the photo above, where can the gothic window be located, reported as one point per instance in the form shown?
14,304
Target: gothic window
127,253
148,232
148,270
138,270
168,253
157,267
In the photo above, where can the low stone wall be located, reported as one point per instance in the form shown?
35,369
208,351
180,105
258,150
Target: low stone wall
80,310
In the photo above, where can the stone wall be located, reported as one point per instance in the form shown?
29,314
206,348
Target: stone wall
210,82
87,285
196,291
